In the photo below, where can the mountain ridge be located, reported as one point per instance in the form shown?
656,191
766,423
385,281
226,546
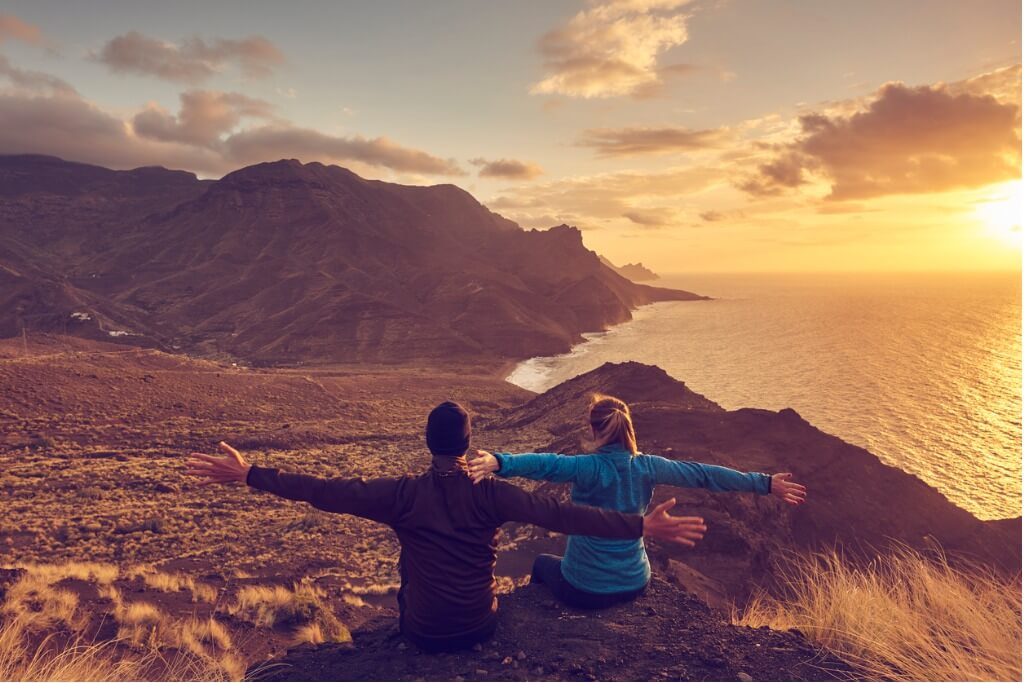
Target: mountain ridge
288,263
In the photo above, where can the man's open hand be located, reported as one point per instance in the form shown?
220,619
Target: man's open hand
663,526
787,490
227,469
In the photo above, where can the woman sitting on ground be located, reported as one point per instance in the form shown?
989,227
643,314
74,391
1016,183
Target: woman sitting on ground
599,572
446,525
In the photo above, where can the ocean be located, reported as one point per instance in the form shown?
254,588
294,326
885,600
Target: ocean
923,370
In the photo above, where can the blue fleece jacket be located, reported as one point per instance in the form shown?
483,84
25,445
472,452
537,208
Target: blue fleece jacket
615,479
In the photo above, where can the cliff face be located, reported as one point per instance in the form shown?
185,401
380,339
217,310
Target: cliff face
284,262
855,502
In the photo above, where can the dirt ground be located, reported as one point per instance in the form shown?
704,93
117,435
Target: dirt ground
93,442
664,635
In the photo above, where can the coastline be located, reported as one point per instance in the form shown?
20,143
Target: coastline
510,370
774,344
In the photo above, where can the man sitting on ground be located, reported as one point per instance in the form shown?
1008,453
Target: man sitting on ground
447,527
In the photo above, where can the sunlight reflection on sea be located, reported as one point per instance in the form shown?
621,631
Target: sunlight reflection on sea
922,370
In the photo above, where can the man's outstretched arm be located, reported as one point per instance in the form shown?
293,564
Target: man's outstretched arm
517,505
373,499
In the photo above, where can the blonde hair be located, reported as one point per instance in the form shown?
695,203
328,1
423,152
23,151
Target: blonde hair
612,423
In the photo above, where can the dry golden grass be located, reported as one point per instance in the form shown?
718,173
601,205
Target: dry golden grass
201,649
173,583
903,617
271,606
142,623
302,607
42,636
112,593
95,572
205,637
37,605
311,634
103,661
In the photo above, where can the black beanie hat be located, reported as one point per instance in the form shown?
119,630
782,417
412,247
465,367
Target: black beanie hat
448,429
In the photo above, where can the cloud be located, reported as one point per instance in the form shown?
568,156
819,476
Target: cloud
638,198
651,218
204,117
193,61
283,141
32,81
712,216
1003,84
782,173
70,127
615,142
13,28
906,140
507,168
611,49
43,115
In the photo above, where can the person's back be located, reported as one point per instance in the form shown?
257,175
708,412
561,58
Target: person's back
614,479
448,530
445,593
447,526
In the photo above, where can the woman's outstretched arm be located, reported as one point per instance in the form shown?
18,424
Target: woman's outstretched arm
541,466
720,479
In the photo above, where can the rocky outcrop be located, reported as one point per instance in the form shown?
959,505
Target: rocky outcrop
855,502
286,262
665,635
637,272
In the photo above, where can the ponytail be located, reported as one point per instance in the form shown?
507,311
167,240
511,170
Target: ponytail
612,423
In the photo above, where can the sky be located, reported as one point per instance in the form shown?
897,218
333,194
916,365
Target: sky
690,135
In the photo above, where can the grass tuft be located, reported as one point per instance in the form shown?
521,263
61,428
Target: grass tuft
37,605
301,607
903,617
79,660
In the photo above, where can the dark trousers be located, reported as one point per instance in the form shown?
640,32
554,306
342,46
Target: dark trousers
463,642
547,569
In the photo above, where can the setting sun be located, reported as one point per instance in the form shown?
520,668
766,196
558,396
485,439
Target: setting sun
285,289
1002,215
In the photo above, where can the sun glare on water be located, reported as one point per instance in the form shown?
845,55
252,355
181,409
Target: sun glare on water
1001,215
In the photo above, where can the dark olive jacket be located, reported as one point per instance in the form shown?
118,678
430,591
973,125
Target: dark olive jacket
448,529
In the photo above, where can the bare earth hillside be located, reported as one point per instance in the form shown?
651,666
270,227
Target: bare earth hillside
285,263
92,442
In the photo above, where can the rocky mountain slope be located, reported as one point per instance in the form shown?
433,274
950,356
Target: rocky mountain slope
855,501
666,635
284,262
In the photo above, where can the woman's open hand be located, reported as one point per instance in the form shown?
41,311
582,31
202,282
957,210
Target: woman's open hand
228,469
482,465
787,490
